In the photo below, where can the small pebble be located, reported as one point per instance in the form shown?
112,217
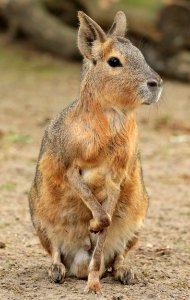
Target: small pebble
2,245
117,298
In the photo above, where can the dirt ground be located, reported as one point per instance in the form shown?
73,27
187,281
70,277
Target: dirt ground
33,87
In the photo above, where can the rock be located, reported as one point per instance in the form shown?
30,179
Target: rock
2,245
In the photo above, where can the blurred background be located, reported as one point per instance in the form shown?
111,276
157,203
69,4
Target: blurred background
159,27
39,75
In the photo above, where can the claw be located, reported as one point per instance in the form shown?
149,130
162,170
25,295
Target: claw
57,273
125,276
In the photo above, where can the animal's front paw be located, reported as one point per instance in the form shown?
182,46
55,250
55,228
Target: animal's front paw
93,286
57,273
124,275
98,224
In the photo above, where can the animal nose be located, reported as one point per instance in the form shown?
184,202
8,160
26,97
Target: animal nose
154,83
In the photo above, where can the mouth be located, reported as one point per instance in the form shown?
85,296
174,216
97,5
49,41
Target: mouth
154,98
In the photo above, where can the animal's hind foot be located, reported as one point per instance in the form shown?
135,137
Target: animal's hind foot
57,272
124,275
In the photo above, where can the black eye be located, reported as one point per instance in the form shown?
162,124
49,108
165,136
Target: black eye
114,62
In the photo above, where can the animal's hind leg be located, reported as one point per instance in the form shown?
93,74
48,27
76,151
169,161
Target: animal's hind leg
121,268
57,270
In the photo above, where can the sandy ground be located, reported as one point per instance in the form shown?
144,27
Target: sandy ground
32,89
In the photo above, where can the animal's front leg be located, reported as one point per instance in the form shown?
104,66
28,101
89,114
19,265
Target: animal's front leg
100,218
113,192
93,284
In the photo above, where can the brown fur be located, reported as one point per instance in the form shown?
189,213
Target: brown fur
88,176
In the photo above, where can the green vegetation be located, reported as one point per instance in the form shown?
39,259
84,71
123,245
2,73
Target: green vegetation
9,186
17,61
18,138
142,3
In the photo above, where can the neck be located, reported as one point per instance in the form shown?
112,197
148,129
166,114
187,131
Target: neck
115,120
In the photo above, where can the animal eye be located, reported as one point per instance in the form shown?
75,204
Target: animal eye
114,62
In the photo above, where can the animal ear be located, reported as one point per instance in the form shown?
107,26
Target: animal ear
119,26
89,32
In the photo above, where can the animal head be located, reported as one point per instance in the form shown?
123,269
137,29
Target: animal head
114,69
